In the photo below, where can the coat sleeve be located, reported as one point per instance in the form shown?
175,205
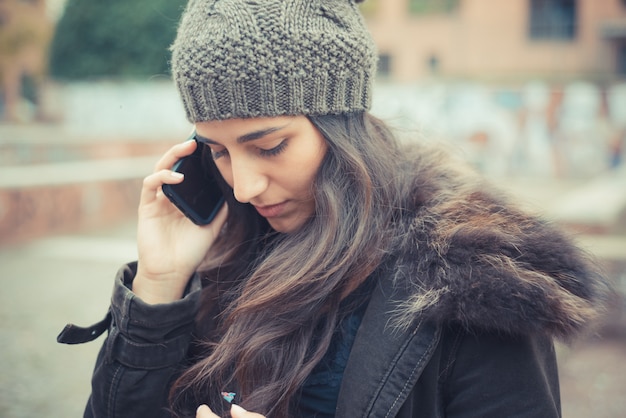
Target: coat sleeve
502,376
144,350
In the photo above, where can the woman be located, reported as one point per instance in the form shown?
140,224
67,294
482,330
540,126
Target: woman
347,275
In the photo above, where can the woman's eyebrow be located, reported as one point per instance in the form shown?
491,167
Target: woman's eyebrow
204,140
258,134
251,136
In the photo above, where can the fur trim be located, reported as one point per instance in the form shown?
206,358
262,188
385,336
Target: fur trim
471,257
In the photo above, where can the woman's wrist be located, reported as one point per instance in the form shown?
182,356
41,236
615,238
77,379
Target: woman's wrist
154,291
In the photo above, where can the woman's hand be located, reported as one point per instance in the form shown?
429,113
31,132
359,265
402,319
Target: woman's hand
170,246
235,412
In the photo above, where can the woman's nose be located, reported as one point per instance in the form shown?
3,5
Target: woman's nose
248,181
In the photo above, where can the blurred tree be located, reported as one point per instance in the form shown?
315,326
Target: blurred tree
114,38
369,8
25,33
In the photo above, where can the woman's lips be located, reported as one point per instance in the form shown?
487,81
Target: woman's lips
271,211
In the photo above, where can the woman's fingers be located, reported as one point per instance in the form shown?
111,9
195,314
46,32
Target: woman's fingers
163,174
174,154
205,412
152,184
238,412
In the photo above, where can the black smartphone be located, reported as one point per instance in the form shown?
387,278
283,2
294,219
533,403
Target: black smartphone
198,196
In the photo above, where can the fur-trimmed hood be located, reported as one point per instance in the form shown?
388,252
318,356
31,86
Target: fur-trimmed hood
473,257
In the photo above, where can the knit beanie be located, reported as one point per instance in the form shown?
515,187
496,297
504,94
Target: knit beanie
254,58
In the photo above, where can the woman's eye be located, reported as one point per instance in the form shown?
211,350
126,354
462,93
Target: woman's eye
218,154
274,151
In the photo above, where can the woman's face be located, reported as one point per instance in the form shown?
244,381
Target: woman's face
270,163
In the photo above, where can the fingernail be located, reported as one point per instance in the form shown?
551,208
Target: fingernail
177,175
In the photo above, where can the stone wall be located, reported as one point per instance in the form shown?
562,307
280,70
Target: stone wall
31,212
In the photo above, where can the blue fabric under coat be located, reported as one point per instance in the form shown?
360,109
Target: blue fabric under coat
319,394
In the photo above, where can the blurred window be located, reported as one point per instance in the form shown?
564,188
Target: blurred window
621,59
553,19
384,65
433,64
432,6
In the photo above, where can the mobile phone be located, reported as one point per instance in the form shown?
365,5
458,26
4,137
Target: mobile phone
198,196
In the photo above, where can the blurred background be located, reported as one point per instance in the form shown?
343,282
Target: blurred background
531,92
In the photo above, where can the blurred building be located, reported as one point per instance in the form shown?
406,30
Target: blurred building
499,40
25,33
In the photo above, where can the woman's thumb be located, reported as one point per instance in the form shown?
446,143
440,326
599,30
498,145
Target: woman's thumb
238,412
204,411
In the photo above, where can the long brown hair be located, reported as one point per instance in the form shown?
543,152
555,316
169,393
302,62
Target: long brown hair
272,301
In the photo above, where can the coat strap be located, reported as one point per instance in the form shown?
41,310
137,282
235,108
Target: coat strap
73,334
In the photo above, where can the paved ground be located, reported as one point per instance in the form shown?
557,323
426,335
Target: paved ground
46,284
50,282
593,378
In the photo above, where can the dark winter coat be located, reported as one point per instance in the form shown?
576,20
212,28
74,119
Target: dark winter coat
460,325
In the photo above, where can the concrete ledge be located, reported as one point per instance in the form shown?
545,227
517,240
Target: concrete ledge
41,175
52,145
605,247
598,206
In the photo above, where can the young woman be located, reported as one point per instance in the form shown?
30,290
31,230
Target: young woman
346,275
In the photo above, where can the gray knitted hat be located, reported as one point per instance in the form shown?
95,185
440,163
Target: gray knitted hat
251,58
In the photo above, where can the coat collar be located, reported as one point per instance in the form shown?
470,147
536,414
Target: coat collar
470,256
